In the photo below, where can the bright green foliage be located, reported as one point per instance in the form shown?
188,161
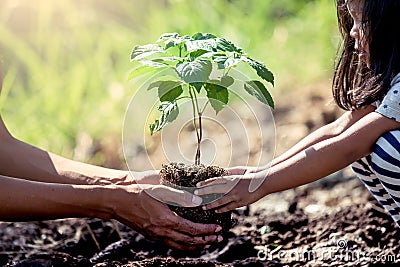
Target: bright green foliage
65,61
193,59
169,112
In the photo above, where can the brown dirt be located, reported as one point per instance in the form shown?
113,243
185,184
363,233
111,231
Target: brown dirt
332,222
186,177
354,235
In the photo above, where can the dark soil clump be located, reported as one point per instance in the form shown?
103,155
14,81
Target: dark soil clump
179,175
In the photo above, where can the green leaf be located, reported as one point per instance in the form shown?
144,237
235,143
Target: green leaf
227,81
197,53
143,51
227,46
231,62
168,60
203,36
218,95
169,112
262,71
220,60
194,71
172,39
168,91
259,91
212,55
207,45
142,70
197,86
153,64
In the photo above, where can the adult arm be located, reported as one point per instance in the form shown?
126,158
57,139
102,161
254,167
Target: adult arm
21,160
24,200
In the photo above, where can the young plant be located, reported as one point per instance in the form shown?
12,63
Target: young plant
192,59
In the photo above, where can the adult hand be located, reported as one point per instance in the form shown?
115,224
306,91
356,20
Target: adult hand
136,207
145,177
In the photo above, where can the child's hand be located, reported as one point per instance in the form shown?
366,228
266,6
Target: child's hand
237,170
240,170
236,188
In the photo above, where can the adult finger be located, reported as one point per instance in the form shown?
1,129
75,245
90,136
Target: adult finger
167,194
196,229
179,246
190,240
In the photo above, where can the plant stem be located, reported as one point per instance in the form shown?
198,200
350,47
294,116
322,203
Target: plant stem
181,97
205,105
198,129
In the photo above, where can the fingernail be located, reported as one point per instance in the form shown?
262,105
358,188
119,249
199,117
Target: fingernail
204,208
198,184
196,200
219,228
196,192
220,238
207,247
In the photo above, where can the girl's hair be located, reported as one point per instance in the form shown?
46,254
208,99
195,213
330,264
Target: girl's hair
354,84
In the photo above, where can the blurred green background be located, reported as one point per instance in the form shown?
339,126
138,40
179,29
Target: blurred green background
66,61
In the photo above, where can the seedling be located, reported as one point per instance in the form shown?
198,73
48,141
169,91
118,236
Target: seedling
192,59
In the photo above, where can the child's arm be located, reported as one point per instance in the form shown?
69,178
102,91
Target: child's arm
328,131
308,165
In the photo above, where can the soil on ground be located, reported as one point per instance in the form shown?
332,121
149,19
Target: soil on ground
332,222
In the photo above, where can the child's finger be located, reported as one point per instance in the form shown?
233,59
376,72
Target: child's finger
212,181
230,206
218,203
214,189
237,170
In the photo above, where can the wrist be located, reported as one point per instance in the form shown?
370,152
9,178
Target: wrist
114,197
264,188
107,202
95,201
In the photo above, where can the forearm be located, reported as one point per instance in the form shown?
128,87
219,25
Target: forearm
323,133
328,131
328,156
18,159
307,166
24,200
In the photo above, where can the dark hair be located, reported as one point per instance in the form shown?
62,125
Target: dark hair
355,85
